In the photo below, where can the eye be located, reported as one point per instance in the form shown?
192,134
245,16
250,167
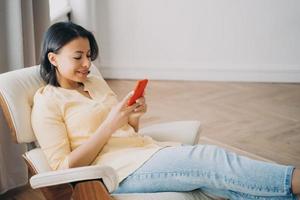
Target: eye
77,58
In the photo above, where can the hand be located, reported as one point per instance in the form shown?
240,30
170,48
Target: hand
134,118
139,110
119,114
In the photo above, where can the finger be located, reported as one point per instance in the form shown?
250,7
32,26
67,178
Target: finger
141,108
131,108
126,99
141,100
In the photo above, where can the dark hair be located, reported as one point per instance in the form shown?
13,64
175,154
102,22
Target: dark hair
58,35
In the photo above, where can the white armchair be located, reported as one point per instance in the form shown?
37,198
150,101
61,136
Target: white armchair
17,89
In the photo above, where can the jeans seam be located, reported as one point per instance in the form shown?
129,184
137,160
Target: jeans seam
228,180
288,180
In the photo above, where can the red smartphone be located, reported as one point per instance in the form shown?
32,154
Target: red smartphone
138,91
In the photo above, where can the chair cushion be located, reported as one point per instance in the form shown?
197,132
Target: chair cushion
186,132
37,160
17,89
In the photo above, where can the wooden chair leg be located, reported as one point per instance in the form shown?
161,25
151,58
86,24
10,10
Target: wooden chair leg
63,191
91,190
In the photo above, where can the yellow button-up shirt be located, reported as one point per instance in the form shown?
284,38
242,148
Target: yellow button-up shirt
63,119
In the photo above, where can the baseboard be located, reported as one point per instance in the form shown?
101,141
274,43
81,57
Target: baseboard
288,74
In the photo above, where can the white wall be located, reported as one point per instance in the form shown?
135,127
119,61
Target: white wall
238,40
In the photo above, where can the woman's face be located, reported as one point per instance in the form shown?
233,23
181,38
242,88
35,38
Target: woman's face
72,62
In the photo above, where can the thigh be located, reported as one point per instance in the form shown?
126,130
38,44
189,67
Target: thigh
170,169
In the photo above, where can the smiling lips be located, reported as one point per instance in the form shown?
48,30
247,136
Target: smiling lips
84,72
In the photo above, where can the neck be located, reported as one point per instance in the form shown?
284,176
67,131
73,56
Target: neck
71,86
68,84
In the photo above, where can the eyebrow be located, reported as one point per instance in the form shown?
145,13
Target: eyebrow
81,51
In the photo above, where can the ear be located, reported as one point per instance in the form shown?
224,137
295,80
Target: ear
52,58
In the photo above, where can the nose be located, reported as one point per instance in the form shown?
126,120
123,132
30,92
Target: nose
86,63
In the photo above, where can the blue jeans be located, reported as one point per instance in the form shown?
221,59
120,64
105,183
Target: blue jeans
213,170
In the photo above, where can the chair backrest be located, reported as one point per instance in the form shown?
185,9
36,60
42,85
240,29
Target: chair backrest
17,89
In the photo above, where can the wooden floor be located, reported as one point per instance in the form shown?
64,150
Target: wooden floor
260,118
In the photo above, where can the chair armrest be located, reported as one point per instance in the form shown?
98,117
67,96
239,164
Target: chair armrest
186,132
107,174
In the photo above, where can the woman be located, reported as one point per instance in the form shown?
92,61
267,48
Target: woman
78,121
